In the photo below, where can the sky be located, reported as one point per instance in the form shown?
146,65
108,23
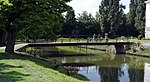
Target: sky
91,6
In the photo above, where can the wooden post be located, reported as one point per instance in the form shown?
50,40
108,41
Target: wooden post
79,39
127,39
80,48
69,39
117,39
61,39
86,49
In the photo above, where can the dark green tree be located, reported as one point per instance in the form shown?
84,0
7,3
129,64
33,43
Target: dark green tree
2,37
123,27
132,31
87,24
136,18
70,23
97,22
104,13
140,16
30,16
132,12
111,14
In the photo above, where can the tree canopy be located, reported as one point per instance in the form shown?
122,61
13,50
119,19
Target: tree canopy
111,13
137,15
30,17
69,24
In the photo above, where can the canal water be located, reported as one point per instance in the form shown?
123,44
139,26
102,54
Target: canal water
109,68
119,69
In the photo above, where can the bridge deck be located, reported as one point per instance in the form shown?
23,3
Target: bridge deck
75,43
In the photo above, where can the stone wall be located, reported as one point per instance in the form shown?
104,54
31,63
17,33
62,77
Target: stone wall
116,49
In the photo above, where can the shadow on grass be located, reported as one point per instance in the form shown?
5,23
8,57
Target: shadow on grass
16,76
38,61
10,76
13,76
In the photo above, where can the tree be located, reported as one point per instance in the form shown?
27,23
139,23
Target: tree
97,23
123,28
2,37
132,12
70,23
110,12
87,24
140,16
30,16
104,11
136,17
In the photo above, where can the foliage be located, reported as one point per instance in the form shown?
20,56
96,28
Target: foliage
137,15
87,24
31,18
132,13
140,37
110,14
110,19
71,70
84,24
69,25
2,37
36,52
140,16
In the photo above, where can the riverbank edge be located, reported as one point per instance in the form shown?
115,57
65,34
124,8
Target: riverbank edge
25,55
141,54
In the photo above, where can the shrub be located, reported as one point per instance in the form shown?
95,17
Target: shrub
71,70
140,37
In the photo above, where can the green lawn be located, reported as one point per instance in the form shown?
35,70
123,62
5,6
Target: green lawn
19,68
79,51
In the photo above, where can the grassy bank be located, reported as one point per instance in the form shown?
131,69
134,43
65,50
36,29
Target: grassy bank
90,49
66,51
144,52
18,68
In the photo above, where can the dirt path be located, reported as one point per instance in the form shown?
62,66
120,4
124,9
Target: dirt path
17,46
146,44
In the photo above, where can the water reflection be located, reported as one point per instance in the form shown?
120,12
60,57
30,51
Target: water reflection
120,69
109,74
147,72
91,72
114,74
136,75
104,67
112,68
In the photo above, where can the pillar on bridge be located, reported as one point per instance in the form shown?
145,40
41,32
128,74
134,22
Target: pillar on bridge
116,49
120,49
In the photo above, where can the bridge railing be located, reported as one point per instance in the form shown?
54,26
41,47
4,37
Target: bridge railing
82,38
89,38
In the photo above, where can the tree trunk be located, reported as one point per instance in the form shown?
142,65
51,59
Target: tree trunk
2,35
1,43
10,42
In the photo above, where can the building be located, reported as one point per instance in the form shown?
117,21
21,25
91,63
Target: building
147,25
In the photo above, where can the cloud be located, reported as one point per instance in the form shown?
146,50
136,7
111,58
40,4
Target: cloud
91,6
126,2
